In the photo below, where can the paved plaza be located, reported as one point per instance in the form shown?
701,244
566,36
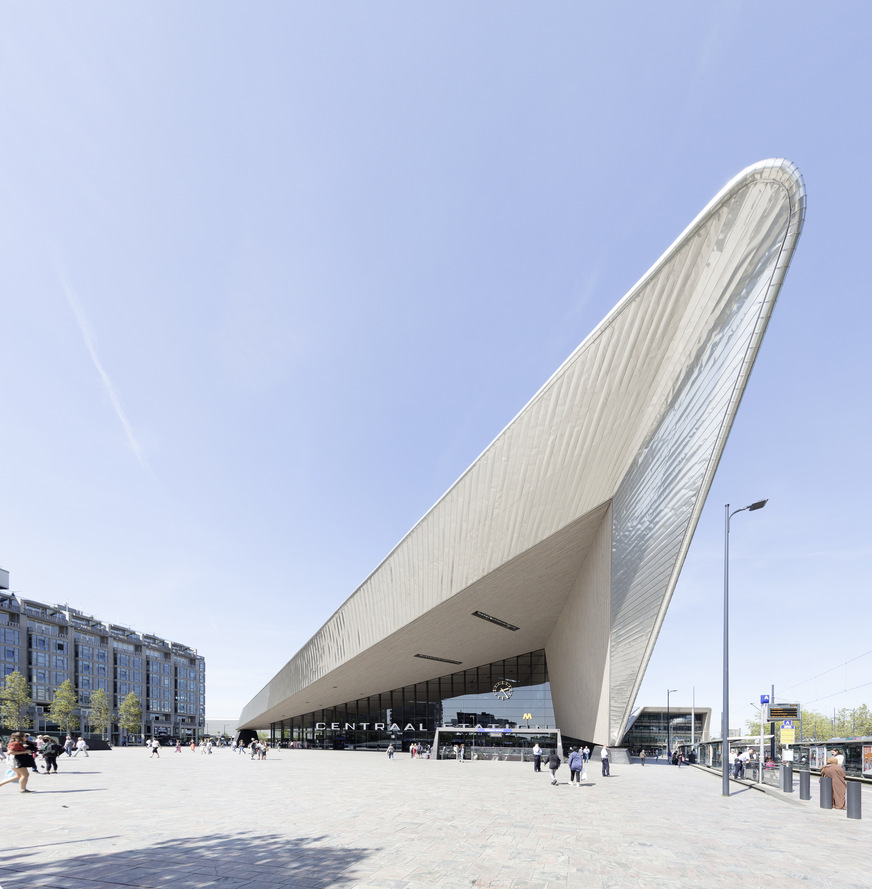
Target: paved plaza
322,819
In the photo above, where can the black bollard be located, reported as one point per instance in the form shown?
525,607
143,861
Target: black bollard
826,792
805,785
854,800
788,777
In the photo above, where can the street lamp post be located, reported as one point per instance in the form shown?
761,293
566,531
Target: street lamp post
669,691
725,715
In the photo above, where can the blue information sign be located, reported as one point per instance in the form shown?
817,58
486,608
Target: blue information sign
764,699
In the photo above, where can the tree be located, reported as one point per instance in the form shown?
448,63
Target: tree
100,713
64,705
130,715
15,701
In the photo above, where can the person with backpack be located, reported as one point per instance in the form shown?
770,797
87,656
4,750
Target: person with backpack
50,750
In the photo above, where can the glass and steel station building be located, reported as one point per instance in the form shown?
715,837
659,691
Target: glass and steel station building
530,597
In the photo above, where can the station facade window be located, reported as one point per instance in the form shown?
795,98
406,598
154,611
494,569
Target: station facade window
510,693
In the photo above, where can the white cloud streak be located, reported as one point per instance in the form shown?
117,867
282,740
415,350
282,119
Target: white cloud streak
88,336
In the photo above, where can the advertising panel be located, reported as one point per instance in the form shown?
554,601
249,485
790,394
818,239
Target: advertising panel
817,757
867,759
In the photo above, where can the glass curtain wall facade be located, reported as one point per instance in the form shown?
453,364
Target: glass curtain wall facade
510,693
648,732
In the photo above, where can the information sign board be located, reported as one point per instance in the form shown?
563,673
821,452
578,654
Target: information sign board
783,711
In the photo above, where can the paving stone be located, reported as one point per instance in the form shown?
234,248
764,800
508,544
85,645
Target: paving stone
320,819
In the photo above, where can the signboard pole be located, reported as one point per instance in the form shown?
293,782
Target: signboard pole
772,741
764,717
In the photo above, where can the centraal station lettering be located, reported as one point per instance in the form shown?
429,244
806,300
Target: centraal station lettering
376,727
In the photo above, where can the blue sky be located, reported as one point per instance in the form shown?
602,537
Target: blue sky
273,276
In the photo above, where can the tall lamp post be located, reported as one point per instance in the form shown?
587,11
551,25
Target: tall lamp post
669,691
725,715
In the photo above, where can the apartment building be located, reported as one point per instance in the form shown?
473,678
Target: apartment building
49,644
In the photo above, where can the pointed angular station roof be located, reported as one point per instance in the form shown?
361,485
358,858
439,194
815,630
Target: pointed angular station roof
574,523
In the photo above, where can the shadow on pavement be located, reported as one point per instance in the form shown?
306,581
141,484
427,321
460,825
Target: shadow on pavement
225,860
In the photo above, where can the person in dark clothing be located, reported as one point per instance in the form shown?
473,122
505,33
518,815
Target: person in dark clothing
50,751
553,765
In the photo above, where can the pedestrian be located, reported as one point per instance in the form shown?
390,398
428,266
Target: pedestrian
50,750
22,761
642,757
81,747
576,764
537,758
585,754
604,758
840,783
68,746
155,748
178,745
35,743
462,751
553,764
193,746
390,751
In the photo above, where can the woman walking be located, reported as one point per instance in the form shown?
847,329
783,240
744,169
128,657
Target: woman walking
576,764
553,765
50,750
22,761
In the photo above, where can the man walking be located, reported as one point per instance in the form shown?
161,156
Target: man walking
537,758
604,756
81,747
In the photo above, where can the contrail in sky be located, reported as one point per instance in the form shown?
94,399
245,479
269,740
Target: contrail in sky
88,336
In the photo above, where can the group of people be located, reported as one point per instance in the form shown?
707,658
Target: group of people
417,751
255,748
21,756
577,762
